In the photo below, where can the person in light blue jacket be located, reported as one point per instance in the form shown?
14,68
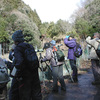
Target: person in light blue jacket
70,42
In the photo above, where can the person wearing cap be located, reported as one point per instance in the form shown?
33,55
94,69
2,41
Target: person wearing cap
29,83
57,67
94,58
70,42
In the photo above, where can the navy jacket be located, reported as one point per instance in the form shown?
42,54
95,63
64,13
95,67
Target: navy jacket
20,60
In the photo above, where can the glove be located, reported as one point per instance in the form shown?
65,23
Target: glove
9,65
41,60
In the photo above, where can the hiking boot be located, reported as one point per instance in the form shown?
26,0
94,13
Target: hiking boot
55,91
75,80
63,89
96,83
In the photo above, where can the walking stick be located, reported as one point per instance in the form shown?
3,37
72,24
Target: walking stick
42,71
48,66
69,72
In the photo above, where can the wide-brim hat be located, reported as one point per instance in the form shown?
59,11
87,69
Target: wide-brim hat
53,42
46,45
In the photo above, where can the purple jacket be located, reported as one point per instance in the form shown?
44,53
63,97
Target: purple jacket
71,45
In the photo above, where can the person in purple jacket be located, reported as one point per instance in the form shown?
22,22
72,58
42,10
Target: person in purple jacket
70,42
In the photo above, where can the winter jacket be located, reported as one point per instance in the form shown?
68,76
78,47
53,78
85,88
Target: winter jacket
71,45
94,44
21,64
50,57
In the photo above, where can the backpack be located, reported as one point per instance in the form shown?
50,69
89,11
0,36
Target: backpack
31,57
59,55
98,50
4,77
78,50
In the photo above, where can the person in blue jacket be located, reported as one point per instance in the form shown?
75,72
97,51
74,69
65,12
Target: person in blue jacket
28,80
70,42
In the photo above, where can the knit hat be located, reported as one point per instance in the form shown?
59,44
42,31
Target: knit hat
67,36
18,36
53,42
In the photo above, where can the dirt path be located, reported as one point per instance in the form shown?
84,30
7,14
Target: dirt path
83,90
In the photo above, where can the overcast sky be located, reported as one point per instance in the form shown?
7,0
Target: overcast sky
53,10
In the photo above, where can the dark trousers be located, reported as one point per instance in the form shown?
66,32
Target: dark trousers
14,92
3,93
74,68
29,87
58,74
96,69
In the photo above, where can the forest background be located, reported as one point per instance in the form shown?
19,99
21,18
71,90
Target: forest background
16,15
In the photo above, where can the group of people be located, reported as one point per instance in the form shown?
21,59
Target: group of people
26,84
57,66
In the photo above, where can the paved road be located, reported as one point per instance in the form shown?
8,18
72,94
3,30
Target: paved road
83,90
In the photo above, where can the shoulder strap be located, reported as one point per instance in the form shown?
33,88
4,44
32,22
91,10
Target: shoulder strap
54,49
54,52
91,45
